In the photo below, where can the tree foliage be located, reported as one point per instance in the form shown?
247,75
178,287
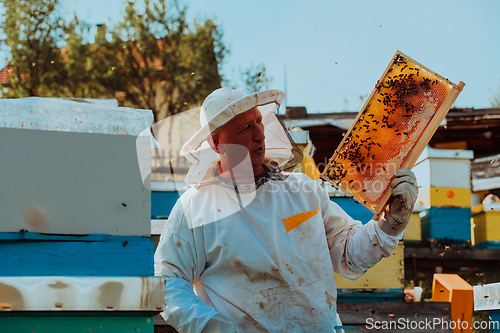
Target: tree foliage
153,59
169,66
32,30
255,78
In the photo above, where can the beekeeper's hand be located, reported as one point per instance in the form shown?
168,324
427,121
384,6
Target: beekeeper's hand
404,193
220,324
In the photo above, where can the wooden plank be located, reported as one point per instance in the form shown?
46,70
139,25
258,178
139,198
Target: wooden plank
116,324
455,253
129,256
360,314
354,315
388,273
88,115
71,183
63,293
370,295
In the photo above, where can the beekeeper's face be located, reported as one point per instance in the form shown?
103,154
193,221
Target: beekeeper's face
243,133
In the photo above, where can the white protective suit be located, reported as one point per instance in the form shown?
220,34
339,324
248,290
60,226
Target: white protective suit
270,265
260,256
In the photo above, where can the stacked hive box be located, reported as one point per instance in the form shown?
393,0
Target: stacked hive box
381,283
75,219
445,192
487,225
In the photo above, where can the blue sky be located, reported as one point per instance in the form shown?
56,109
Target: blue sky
335,51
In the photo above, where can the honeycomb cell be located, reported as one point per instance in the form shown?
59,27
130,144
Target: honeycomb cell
386,130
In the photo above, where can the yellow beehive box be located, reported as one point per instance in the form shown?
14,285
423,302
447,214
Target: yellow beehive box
388,273
487,222
444,197
413,231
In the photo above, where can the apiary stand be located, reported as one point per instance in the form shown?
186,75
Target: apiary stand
75,219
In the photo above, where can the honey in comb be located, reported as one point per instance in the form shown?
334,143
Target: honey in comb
386,130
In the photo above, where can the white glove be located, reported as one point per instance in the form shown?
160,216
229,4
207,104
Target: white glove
220,324
404,193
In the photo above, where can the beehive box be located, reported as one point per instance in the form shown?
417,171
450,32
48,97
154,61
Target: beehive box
442,168
449,224
353,209
60,304
75,218
397,121
486,224
73,200
72,168
452,288
413,231
444,178
388,273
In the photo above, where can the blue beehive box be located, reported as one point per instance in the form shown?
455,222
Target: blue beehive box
353,209
446,224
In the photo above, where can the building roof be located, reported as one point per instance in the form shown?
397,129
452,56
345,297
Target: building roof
463,128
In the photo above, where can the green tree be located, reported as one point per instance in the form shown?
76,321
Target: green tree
153,59
166,65
32,29
255,78
85,71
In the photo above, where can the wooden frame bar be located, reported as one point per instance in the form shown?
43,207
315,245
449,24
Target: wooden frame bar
452,92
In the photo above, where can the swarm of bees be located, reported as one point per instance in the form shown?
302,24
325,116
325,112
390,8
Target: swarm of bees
386,130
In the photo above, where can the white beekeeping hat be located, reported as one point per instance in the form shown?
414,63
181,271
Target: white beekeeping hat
219,108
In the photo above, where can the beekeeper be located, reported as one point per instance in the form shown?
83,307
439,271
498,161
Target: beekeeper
250,248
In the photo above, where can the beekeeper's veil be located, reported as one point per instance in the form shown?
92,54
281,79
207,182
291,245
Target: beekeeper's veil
222,106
